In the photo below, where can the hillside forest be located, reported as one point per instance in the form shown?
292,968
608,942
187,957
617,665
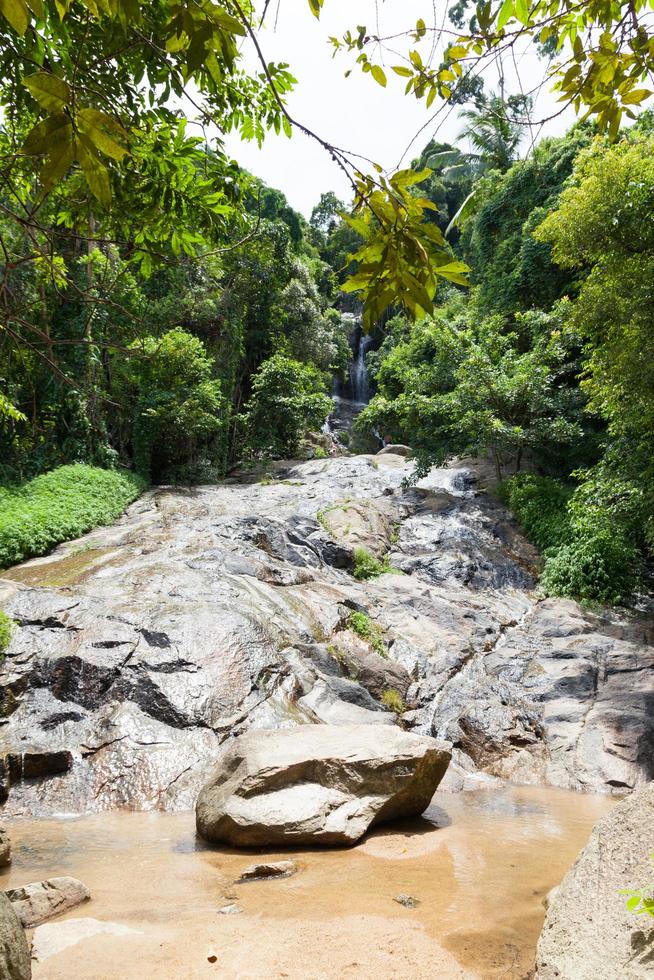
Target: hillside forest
214,342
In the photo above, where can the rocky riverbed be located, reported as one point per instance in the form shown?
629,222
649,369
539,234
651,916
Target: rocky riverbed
454,895
204,612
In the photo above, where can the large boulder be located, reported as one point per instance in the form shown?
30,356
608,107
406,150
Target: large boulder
396,449
41,900
317,784
589,934
15,963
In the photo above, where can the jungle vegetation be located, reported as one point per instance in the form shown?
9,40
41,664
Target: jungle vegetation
164,312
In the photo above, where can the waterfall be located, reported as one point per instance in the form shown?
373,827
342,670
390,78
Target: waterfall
352,395
358,371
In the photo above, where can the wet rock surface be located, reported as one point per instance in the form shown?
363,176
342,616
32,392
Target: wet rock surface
206,612
54,937
270,869
589,934
317,784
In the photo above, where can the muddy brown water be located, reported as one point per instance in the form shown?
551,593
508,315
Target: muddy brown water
478,864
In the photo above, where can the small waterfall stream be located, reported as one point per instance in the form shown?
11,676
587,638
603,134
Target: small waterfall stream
352,395
359,379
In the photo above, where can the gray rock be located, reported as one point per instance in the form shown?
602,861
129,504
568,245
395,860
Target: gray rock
231,909
407,901
210,611
317,784
42,900
364,524
15,961
270,869
375,673
588,932
5,848
396,450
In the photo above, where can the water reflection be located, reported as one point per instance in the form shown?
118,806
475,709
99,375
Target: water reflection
478,863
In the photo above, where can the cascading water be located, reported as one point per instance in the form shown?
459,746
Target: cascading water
352,395
358,371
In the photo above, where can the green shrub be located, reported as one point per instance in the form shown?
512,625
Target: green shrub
601,568
60,505
394,701
540,504
367,566
588,556
288,401
363,626
175,408
6,629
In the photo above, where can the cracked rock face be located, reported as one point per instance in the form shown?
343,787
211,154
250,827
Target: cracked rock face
203,613
589,934
317,784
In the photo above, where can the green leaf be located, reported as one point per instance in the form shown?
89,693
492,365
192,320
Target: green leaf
522,11
636,96
9,411
94,124
506,13
49,91
95,172
465,211
47,134
379,75
401,70
16,12
57,164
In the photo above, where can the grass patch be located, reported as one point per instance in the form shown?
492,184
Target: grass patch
366,566
363,626
6,629
321,517
60,505
394,701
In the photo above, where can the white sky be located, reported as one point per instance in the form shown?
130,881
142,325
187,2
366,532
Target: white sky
354,113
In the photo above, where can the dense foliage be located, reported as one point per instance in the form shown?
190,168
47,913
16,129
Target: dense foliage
288,399
547,362
163,310
584,559
59,505
158,374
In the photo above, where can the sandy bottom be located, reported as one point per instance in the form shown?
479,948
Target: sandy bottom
478,864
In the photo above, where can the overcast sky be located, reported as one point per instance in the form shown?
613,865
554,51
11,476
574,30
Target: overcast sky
354,113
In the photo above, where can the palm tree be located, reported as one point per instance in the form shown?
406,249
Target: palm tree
494,129
495,134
